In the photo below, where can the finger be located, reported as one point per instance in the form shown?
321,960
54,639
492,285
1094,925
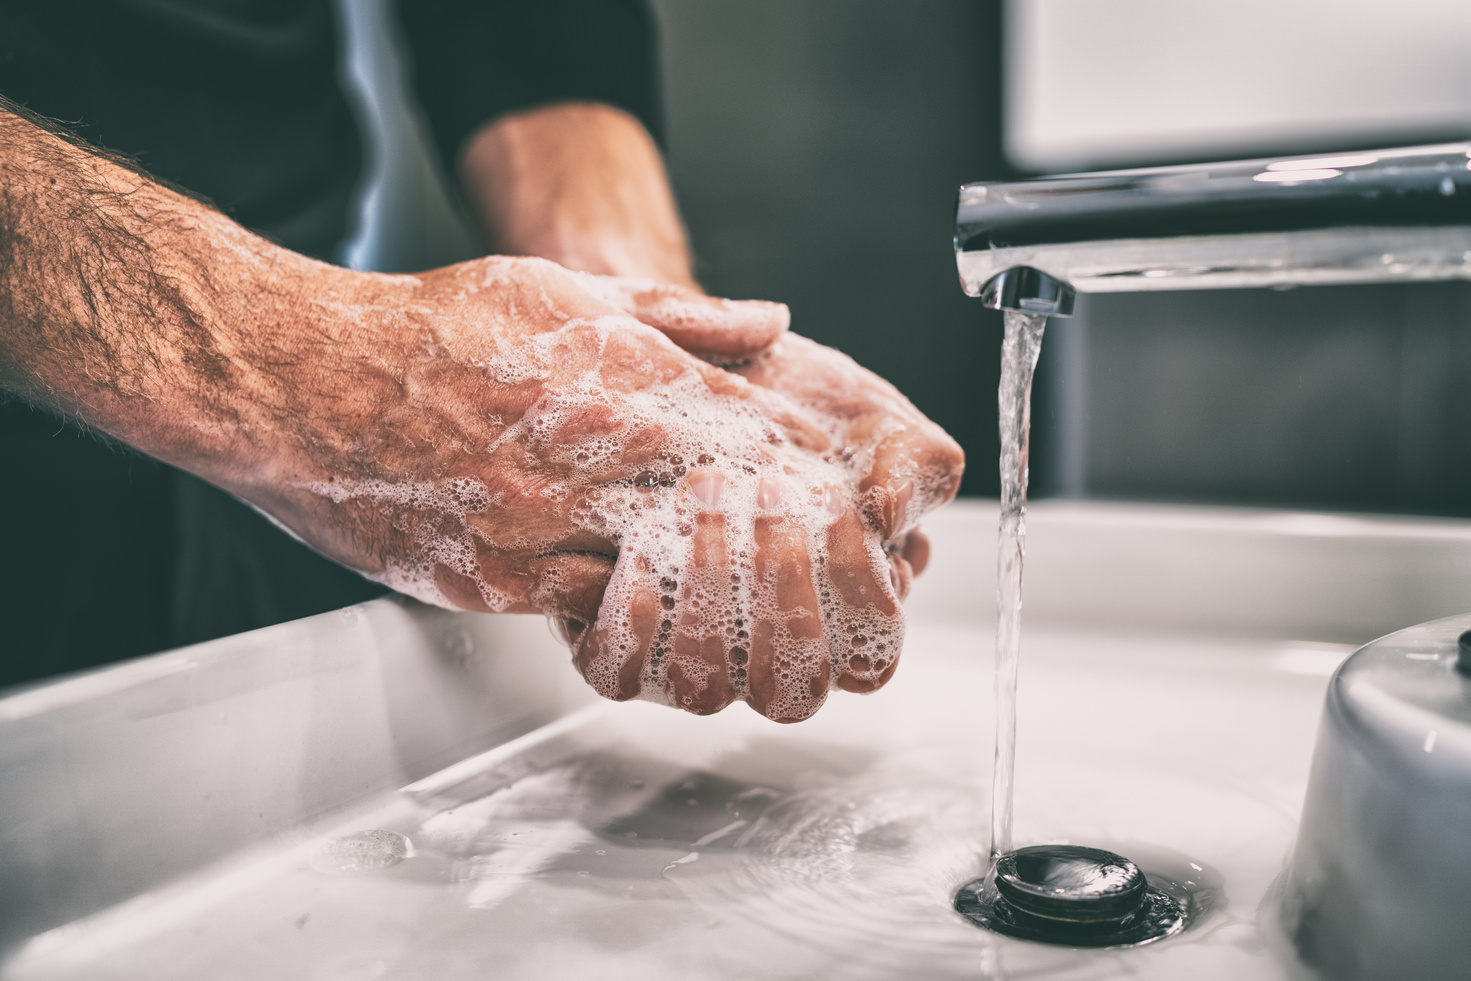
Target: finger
790,423
463,590
885,507
612,653
916,467
901,575
568,630
697,673
865,626
915,549
890,438
474,575
571,585
790,663
727,330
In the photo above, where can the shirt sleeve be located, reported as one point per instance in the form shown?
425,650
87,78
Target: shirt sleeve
474,60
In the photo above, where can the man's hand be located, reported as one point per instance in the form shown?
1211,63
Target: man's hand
499,435
907,464
533,446
513,442
585,186
581,184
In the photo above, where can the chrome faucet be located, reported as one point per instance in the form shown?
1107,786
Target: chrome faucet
1363,217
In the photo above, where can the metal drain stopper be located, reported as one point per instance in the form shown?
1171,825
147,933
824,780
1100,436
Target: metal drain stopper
1070,883
1071,895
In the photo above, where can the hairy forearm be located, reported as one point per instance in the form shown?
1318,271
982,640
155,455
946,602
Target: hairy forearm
139,310
499,435
581,184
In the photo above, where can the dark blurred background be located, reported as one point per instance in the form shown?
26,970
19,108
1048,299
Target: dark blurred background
816,148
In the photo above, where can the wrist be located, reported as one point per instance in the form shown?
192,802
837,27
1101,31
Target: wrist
581,184
116,292
243,330
317,358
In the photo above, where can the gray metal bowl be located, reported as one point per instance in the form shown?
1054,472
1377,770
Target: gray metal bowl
1379,883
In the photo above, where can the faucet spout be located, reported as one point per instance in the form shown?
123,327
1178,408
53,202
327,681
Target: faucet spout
1375,216
1029,290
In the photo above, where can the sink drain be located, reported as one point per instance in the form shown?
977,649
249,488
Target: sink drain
1074,896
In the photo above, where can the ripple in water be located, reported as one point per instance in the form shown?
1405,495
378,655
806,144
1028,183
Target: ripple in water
838,865
836,869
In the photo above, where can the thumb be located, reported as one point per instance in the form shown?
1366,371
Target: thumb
719,329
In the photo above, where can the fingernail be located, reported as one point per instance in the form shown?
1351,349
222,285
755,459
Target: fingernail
707,488
768,493
900,493
916,551
566,629
832,499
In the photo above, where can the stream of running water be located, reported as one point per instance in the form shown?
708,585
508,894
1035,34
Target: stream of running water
1018,362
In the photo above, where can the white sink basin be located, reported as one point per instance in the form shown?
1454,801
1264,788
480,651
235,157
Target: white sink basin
182,816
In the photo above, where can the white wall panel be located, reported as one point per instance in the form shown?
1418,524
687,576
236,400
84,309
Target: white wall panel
1099,82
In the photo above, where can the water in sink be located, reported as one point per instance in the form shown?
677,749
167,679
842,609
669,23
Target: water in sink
633,841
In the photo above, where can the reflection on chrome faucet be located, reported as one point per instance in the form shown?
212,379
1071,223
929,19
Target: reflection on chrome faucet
1380,216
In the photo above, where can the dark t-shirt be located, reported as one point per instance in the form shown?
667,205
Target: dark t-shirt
107,554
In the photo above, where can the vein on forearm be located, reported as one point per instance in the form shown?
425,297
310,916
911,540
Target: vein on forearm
77,276
109,291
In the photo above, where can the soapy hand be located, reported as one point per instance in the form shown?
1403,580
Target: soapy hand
501,435
538,442
910,466
584,185
913,463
